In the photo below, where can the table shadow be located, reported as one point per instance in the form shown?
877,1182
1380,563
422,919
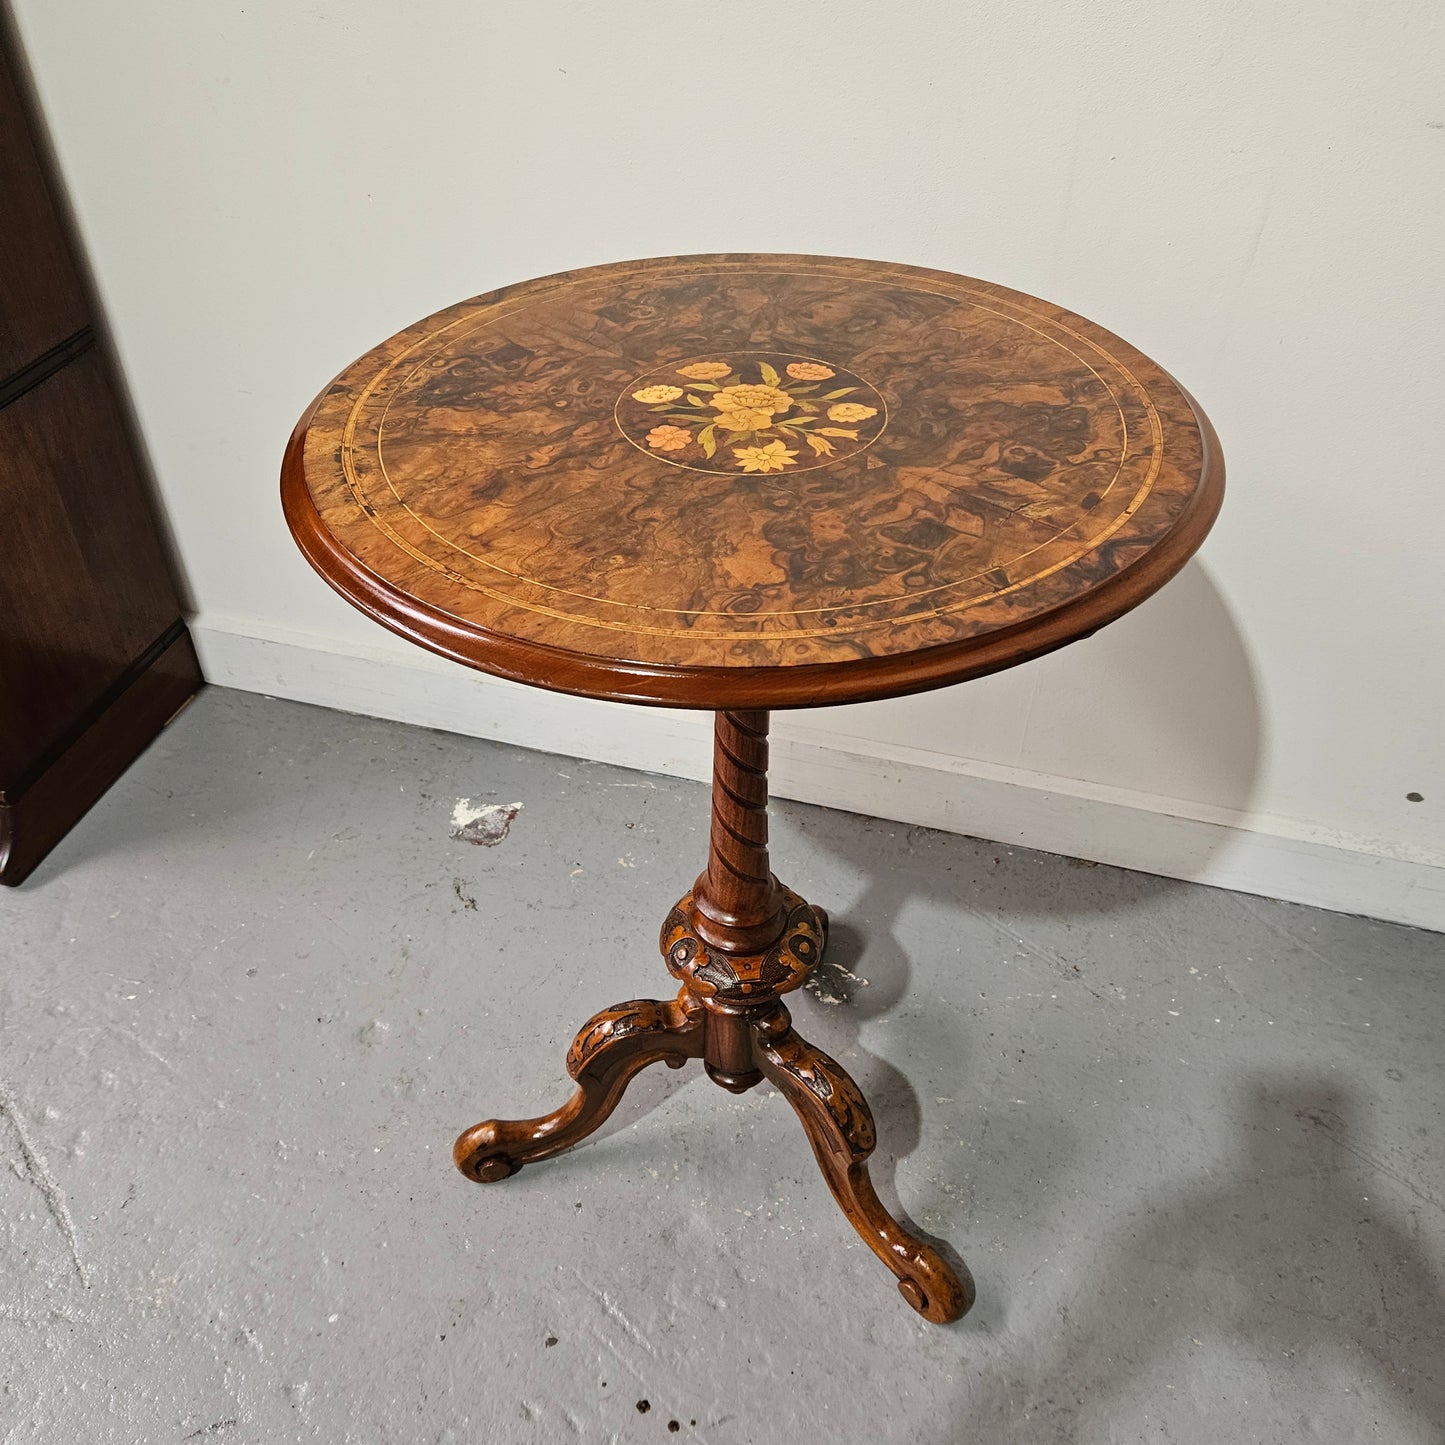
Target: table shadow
831,1016
1288,1246
830,1012
1165,703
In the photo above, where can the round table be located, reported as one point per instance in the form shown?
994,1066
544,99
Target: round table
746,482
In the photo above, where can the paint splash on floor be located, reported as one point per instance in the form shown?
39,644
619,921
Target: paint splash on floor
832,983
483,823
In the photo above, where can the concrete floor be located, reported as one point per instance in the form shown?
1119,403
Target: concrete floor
1188,1140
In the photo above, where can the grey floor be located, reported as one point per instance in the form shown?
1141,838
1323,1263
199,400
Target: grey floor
1188,1140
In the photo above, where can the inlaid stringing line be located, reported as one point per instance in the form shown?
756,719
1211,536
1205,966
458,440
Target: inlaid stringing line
493,314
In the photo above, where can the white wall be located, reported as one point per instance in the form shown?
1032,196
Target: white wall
1252,194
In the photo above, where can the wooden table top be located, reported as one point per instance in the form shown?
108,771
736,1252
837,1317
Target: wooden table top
750,481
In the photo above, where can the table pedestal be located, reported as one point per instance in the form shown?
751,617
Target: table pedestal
737,942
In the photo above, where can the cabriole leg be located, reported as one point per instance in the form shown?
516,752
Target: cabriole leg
612,1047
839,1126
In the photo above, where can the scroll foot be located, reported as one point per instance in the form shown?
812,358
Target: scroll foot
612,1047
839,1126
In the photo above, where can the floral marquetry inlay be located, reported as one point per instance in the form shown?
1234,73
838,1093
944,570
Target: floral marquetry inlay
751,412
718,467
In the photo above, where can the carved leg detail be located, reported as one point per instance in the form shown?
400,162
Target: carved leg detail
612,1047
839,1125
737,942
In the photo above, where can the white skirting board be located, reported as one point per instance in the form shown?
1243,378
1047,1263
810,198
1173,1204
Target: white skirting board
1006,805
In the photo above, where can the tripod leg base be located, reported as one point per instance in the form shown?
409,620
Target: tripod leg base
839,1125
612,1047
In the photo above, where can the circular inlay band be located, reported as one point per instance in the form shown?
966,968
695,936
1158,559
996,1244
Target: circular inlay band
743,463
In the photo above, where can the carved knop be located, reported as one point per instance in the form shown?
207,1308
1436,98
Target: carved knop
748,977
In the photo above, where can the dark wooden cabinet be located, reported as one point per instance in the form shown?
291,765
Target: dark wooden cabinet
94,655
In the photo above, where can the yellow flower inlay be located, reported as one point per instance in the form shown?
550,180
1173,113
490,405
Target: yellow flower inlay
668,438
771,458
745,420
761,412
749,408
751,398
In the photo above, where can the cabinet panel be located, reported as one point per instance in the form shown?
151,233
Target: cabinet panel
94,656
85,585
41,298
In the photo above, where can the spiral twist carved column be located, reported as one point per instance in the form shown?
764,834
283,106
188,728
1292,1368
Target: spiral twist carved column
739,906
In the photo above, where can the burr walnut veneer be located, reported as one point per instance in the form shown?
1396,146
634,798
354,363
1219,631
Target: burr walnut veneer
742,483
